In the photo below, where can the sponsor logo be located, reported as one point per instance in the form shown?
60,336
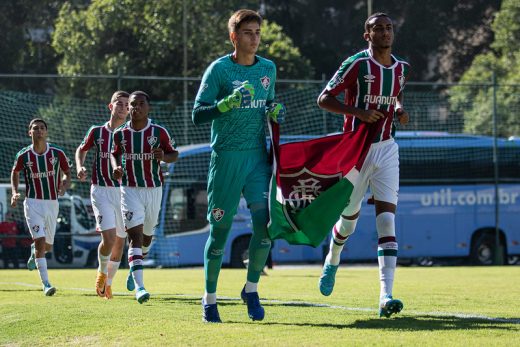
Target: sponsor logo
99,219
152,140
217,252
41,174
336,81
266,82
100,141
138,156
28,163
104,155
380,99
217,214
35,228
129,215
369,78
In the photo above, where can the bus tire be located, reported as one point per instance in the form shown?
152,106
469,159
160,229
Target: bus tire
483,249
240,252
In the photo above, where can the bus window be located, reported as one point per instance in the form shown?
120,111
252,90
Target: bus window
186,209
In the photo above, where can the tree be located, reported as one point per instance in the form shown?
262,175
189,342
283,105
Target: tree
139,37
476,103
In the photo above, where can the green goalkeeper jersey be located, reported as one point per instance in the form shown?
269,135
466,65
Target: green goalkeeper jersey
241,128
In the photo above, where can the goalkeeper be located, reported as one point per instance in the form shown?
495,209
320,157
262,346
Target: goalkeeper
236,94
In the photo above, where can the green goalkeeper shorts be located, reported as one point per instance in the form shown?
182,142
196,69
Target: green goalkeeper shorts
231,174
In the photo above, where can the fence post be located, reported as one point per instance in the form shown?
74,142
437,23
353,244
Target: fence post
499,256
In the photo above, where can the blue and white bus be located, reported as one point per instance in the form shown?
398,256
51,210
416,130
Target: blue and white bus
446,207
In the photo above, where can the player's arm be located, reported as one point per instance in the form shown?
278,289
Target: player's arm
402,115
80,160
328,102
15,182
65,183
166,151
115,158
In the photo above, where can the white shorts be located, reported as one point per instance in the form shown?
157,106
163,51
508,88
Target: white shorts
106,203
381,171
41,216
141,206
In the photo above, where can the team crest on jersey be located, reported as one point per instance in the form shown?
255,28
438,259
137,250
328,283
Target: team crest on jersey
152,140
369,78
53,160
99,219
35,228
100,141
266,82
129,215
217,214
336,81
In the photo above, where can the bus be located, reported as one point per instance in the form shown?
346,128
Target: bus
446,208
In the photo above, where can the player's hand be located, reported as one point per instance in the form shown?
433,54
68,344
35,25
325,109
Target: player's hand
370,116
276,112
117,173
402,116
240,97
63,188
158,154
82,174
14,199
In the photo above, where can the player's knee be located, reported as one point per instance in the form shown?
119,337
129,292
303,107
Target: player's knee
385,224
346,227
214,252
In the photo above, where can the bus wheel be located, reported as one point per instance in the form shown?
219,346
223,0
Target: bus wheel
483,249
240,252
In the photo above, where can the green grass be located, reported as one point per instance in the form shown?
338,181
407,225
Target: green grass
448,306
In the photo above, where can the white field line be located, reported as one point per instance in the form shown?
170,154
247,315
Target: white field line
469,316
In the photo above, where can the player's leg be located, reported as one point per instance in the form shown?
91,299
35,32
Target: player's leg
133,212
223,198
385,185
119,242
255,192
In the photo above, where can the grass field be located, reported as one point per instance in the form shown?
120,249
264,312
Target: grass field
448,306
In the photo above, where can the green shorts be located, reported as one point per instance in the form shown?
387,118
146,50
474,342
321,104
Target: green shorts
232,174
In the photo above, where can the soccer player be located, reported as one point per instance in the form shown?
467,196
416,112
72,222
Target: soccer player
139,147
235,95
373,81
47,175
105,192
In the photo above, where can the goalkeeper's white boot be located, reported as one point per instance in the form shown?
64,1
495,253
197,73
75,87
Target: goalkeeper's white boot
328,278
389,306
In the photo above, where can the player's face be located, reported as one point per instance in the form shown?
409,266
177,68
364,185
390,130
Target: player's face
38,131
119,108
139,107
381,33
247,38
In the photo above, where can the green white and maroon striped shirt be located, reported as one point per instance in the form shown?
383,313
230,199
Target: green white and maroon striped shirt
369,85
42,171
135,147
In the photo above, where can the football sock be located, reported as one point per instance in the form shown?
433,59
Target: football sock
112,268
251,287
260,243
103,262
213,253
386,251
145,250
41,265
135,261
340,233
210,298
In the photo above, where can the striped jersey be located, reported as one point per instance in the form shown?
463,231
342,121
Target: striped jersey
42,171
135,148
369,85
241,128
100,137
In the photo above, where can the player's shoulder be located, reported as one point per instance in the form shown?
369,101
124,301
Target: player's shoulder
220,63
358,57
122,127
399,59
265,61
154,123
95,127
54,147
23,150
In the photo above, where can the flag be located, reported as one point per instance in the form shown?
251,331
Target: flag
312,181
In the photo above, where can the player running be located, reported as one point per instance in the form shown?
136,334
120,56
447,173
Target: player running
235,95
105,193
47,175
373,81
139,147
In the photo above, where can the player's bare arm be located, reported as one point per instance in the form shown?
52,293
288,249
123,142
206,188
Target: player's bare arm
329,102
15,181
159,155
117,169
65,183
80,160
402,115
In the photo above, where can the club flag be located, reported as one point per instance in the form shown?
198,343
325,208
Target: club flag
312,182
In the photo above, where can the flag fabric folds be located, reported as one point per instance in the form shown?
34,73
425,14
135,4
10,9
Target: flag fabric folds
312,181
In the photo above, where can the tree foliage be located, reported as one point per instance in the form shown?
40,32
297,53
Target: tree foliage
504,61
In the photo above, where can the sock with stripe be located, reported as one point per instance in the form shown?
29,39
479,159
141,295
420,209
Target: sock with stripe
135,261
386,251
340,233
41,265
112,268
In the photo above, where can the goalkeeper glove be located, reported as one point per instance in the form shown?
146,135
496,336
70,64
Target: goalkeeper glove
240,97
276,112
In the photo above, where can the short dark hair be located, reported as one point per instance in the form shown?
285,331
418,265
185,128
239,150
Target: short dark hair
243,16
375,15
35,120
140,92
119,94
